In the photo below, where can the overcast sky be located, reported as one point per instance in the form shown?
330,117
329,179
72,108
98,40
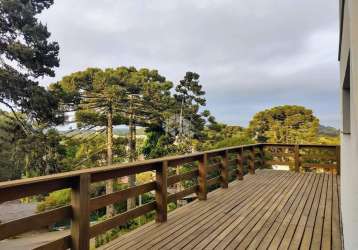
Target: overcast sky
250,54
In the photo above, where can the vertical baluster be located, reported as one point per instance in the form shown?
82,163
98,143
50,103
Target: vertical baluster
262,156
297,158
224,171
202,179
161,195
240,164
80,219
252,161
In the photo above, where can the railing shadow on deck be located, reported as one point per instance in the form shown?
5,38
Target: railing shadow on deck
213,168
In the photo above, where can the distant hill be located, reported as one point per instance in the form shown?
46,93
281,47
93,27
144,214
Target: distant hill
328,131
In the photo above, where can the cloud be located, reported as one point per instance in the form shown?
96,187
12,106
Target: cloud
250,54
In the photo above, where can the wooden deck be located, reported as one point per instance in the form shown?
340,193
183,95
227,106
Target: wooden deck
268,210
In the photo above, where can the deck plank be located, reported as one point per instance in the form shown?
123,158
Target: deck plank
298,235
308,231
266,240
270,209
294,224
236,226
336,220
279,235
169,236
223,223
255,226
241,213
164,230
327,224
173,218
207,237
318,226
230,208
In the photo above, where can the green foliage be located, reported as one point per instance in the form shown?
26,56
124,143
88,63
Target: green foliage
89,150
171,206
189,91
94,92
11,165
233,141
333,140
184,124
21,154
158,144
27,54
217,135
284,124
189,99
54,200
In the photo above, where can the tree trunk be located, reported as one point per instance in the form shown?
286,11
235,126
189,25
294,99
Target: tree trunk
132,152
109,183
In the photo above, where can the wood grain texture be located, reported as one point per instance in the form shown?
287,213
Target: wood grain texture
240,164
59,244
224,170
311,217
120,219
182,194
122,195
161,195
33,222
80,197
268,210
202,178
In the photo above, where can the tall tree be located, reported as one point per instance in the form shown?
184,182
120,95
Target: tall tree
147,96
183,121
93,95
284,124
190,98
110,97
25,55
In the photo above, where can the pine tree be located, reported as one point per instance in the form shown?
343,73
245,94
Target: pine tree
26,55
110,97
284,124
189,97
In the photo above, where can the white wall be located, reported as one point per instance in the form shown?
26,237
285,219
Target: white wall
349,154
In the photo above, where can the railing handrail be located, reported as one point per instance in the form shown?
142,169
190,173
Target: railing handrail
122,166
82,204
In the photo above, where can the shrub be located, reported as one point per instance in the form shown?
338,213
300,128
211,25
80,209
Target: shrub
54,200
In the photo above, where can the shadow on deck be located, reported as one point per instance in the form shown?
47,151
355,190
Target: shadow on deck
268,210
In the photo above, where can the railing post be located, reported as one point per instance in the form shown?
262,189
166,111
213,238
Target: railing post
80,197
224,172
262,156
338,157
240,164
297,158
252,161
203,172
161,195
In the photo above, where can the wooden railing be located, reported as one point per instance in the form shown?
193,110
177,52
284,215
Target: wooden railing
304,157
210,169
